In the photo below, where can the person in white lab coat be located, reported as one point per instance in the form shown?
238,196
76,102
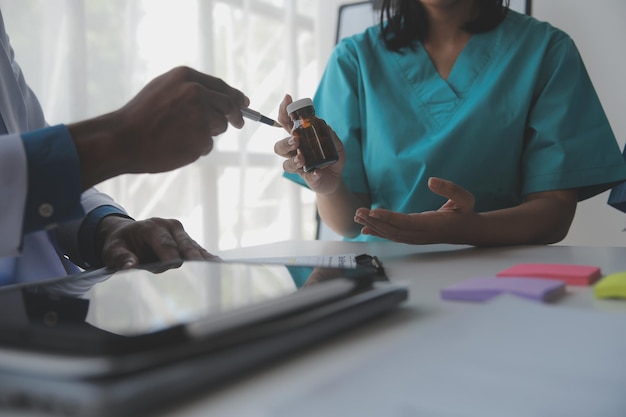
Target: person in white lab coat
51,219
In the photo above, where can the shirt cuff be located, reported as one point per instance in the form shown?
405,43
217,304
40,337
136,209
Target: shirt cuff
87,233
54,183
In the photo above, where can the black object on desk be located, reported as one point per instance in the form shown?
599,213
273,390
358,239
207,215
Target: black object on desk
123,343
617,196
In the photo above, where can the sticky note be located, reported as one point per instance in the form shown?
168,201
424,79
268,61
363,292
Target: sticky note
569,274
485,288
611,286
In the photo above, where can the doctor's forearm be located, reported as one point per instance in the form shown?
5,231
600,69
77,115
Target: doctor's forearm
100,149
337,210
545,218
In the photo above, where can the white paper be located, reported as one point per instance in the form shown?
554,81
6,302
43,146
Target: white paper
332,261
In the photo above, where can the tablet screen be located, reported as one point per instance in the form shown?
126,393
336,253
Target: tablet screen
164,303
139,301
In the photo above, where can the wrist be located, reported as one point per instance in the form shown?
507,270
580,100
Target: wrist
334,191
95,228
107,226
100,149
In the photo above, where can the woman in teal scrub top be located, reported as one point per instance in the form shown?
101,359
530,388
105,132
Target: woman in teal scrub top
459,122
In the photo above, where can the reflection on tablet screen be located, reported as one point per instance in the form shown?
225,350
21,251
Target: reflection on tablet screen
138,301
201,297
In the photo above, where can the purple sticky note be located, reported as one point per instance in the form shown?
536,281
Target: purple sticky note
485,288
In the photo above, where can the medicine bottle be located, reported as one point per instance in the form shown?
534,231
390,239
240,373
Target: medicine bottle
316,144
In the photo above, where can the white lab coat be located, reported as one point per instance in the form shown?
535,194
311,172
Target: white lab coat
32,256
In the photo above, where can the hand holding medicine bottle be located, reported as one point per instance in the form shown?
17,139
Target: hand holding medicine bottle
334,201
318,157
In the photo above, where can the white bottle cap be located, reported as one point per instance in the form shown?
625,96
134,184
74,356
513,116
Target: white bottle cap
299,104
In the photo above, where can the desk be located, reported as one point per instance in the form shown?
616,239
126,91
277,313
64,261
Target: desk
424,270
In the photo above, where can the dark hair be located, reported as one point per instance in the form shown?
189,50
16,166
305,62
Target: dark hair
405,22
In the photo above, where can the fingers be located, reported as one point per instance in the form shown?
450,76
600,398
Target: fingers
169,242
458,197
287,147
294,164
118,256
224,98
187,248
283,116
208,147
222,111
381,222
201,112
149,241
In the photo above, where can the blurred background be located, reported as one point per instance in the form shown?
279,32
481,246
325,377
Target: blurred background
87,57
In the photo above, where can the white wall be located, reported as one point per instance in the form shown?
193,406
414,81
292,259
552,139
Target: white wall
599,31
327,12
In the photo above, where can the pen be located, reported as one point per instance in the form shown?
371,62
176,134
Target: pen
258,117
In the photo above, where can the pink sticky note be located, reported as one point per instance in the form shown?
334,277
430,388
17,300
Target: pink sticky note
569,274
485,288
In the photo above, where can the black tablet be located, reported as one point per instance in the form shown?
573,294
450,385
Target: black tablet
130,340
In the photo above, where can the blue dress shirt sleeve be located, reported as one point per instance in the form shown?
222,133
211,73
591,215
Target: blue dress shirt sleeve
54,184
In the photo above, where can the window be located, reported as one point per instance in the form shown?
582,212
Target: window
87,57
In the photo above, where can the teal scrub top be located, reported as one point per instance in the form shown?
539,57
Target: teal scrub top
518,114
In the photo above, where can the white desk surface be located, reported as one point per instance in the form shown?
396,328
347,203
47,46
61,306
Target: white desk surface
424,270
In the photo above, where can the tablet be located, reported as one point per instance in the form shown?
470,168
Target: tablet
131,340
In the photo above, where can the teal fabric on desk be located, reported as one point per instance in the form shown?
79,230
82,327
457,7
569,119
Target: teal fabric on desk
299,274
518,114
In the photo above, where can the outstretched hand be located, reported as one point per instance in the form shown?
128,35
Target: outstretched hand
127,243
449,224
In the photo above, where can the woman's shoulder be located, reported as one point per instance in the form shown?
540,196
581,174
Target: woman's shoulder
530,28
360,43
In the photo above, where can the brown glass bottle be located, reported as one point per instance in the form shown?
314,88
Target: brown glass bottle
316,144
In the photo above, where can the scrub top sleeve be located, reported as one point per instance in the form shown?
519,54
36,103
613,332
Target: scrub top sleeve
338,101
54,187
569,142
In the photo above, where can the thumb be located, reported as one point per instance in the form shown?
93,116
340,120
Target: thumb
459,199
